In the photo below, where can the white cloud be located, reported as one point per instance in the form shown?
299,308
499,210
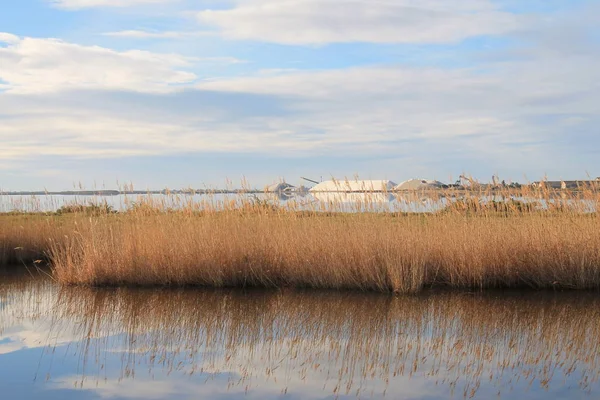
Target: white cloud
423,114
500,114
32,65
8,38
381,21
88,130
77,4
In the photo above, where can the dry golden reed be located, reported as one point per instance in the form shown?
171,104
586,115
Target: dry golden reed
26,238
479,240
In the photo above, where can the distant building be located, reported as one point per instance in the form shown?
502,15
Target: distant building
566,184
419,184
354,186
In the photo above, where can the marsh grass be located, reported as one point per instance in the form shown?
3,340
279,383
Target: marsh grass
512,238
25,238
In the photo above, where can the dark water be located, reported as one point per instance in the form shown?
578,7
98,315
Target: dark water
188,344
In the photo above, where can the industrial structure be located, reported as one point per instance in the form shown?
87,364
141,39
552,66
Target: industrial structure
567,184
354,186
384,186
419,184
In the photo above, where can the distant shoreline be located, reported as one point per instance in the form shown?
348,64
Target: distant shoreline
108,193
118,192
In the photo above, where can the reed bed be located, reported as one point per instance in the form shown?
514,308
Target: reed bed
26,238
523,238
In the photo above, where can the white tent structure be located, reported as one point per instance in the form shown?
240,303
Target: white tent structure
354,186
419,184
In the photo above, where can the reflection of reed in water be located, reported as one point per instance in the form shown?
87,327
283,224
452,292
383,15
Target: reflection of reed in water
23,296
354,343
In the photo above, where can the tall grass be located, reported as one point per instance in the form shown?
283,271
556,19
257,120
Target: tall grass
25,239
511,238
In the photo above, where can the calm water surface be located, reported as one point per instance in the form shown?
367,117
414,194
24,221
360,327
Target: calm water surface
348,202
187,344
320,201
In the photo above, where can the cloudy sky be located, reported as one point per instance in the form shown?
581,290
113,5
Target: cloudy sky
173,93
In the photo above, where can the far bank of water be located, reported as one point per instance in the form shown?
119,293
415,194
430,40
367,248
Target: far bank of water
401,202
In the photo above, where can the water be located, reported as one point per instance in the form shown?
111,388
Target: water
152,344
320,201
348,202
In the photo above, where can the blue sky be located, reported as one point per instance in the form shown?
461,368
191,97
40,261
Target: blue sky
179,93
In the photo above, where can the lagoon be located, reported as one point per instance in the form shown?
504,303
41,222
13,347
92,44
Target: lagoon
399,202
85,343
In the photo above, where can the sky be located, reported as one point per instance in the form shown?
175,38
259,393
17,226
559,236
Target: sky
198,93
